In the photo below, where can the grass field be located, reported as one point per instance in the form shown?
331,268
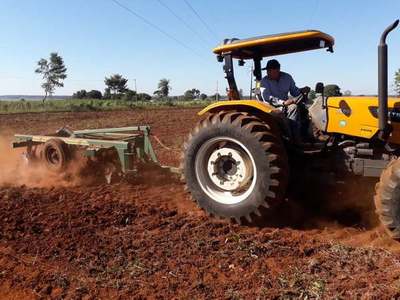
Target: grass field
78,105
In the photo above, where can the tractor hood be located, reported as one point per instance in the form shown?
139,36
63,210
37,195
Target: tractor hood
275,44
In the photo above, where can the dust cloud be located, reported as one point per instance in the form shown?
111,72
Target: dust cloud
16,171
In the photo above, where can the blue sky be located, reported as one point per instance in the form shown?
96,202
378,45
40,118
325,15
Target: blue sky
97,38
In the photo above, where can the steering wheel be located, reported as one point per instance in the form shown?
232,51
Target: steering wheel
303,97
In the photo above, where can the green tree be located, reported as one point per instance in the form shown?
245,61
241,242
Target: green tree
94,94
130,95
312,95
203,96
82,94
143,97
116,83
332,90
347,93
192,94
196,93
188,95
397,82
53,72
107,93
163,88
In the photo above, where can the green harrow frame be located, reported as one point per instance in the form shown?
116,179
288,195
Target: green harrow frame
132,144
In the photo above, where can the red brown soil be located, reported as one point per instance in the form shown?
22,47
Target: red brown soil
148,240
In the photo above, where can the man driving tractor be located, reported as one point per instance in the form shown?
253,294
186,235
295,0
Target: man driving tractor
274,90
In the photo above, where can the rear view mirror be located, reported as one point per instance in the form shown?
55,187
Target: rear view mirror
319,88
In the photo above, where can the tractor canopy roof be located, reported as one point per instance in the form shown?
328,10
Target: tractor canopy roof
275,44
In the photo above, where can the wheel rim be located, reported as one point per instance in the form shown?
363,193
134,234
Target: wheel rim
225,170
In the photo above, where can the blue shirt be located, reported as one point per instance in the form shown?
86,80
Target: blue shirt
275,92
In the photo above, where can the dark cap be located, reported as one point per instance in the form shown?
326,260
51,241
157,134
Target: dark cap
272,64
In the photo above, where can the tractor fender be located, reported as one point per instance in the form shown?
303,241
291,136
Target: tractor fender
262,110
241,105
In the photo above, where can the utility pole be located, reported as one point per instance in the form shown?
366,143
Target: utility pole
136,96
135,85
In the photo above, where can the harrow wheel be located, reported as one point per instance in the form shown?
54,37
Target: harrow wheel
387,199
235,165
55,155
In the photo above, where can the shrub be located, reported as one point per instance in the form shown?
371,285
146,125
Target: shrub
129,95
332,90
203,96
82,94
144,97
94,94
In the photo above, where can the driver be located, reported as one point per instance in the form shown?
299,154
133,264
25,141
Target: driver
274,90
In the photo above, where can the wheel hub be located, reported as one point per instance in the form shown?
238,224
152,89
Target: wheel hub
53,156
228,169
225,170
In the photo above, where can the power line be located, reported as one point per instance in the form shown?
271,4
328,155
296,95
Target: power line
182,21
155,27
201,19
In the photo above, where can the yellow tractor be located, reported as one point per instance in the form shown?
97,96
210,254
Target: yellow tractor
236,160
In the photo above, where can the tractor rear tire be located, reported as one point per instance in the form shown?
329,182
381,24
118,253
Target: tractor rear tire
55,154
235,166
387,199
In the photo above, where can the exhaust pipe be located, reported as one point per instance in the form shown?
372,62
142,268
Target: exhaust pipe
384,127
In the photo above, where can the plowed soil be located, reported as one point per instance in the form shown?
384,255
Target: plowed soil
147,239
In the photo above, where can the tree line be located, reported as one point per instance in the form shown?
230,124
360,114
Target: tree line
116,88
54,72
